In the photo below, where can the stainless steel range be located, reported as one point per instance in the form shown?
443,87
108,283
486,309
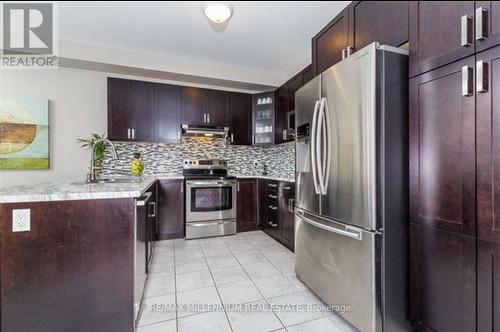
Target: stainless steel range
210,199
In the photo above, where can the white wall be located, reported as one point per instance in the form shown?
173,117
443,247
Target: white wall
77,108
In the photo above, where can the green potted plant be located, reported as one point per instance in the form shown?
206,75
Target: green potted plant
100,148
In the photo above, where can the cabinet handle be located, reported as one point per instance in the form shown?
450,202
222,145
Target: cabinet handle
253,139
291,202
467,82
481,23
287,188
208,117
204,117
152,215
133,133
232,138
344,53
128,133
182,187
272,185
238,186
482,76
178,135
272,196
272,207
466,32
349,51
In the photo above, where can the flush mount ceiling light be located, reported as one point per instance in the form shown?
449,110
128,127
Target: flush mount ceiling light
217,12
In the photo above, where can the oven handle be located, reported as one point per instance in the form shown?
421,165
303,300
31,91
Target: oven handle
211,184
202,224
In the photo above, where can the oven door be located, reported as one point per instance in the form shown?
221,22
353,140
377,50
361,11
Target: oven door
210,200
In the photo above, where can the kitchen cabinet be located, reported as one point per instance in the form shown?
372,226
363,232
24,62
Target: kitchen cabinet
193,106
328,44
217,107
131,115
280,122
390,27
204,107
488,286
170,209
307,74
262,202
119,99
488,147
167,104
240,115
151,223
293,85
277,219
264,105
442,150
142,116
286,213
435,31
247,212
443,280
487,16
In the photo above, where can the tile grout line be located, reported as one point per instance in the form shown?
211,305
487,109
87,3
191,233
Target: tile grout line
215,285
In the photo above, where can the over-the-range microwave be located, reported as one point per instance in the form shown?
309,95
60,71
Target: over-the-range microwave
289,132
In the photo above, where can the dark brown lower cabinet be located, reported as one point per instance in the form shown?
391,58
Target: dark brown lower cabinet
488,286
443,280
73,271
247,214
170,209
286,217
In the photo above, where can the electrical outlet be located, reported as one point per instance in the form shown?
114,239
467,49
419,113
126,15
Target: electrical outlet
21,220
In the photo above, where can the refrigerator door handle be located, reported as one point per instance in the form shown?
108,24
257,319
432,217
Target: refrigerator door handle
320,133
313,148
327,162
348,231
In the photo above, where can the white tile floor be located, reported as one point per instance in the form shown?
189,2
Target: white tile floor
197,285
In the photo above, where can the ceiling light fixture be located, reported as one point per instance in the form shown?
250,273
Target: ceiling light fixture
217,12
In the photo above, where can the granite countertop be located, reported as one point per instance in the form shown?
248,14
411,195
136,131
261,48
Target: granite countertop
79,190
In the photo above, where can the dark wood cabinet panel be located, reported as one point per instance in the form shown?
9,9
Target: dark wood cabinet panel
442,150
385,22
488,148
170,209
240,114
328,44
167,103
193,105
119,93
491,25
217,107
292,86
287,217
247,217
262,202
443,280
307,74
142,116
488,286
73,271
280,122
435,33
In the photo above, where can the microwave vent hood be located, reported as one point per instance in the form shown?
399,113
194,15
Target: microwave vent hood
204,130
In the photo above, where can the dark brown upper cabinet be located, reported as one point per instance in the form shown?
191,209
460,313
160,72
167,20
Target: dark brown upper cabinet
385,22
293,85
142,112
488,145
167,103
205,107
240,115
488,286
328,44
487,16
217,107
442,150
280,110
131,115
440,32
307,74
247,217
442,280
193,106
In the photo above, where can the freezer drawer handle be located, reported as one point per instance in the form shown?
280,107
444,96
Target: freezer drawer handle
349,231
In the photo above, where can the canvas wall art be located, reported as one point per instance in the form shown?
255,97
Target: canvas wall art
24,134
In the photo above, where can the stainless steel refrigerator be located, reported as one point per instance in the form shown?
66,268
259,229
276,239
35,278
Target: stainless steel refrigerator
351,241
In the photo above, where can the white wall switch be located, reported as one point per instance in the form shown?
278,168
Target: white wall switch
21,220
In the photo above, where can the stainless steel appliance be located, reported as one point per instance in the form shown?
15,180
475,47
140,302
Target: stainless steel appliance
351,243
205,130
289,132
210,199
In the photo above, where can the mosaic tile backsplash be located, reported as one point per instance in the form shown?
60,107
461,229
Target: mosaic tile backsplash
167,158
